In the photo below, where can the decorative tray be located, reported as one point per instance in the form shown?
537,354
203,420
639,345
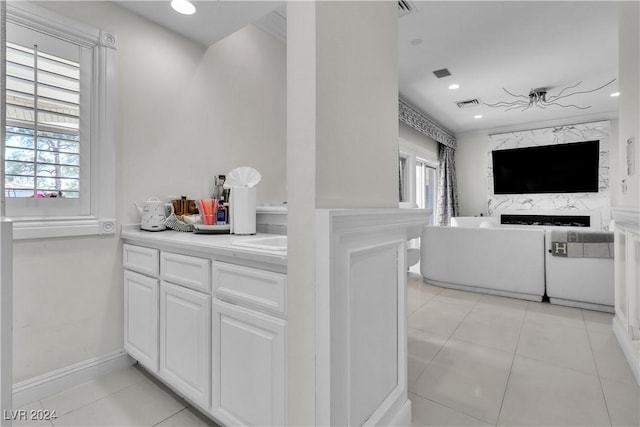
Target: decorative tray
174,223
211,229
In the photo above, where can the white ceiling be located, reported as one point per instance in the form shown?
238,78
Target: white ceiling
486,45
515,45
212,21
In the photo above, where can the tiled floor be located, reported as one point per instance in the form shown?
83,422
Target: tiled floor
473,360
128,397
483,360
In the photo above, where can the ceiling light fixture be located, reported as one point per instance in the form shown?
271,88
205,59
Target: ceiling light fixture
477,116
539,98
615,94
454,86
184,7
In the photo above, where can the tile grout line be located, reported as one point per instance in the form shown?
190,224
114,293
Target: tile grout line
172,415
441,347
101,398
438,352
554,364
513,360
452,409
593,356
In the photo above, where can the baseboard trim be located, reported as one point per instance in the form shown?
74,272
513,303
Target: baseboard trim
580,304
53,382
481,290
403,417
629,350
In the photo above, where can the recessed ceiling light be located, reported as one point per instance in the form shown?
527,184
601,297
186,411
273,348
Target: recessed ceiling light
614,94
454,86
477,116
416,42
184,7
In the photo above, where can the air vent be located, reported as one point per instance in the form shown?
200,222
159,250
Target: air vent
468,103
405,7
442,73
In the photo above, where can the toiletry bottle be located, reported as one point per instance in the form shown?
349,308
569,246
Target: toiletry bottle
221,214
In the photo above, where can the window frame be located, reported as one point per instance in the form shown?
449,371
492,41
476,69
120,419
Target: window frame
101,217
428,164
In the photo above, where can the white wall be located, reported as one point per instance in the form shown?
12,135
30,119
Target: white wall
357,145
185,114
471,171
301,164
629,101
342,150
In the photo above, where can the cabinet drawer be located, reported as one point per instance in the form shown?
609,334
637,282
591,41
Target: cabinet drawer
257,288
140,259
186,270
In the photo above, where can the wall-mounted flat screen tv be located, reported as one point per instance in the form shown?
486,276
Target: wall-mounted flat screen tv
561,168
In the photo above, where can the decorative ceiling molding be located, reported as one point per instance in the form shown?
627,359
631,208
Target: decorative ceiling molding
414,118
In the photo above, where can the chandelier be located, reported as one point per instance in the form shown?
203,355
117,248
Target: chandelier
542,99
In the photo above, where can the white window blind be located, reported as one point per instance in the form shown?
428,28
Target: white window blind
42,151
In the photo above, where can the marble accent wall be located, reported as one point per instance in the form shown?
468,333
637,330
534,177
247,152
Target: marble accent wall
597,205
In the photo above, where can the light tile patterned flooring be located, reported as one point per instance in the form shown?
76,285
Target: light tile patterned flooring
473,360
128,397
483,360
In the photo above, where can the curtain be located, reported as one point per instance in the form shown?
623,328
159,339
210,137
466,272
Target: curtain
447,206
402,162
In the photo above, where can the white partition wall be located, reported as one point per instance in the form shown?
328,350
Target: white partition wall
361,324
626,323
342,151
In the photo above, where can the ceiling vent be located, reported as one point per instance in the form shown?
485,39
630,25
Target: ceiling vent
405,7
468,103
442,73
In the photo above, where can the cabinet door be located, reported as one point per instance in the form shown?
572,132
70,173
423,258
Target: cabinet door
185,341
248,359
141,318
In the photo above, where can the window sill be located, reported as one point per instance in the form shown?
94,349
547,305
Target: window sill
66,227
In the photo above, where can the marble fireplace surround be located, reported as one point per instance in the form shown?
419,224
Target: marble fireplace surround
595,205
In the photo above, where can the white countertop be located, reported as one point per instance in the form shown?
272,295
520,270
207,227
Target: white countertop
214,244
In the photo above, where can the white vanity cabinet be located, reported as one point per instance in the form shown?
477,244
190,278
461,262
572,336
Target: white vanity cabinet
211,325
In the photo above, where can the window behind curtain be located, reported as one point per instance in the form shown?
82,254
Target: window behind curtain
426,186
